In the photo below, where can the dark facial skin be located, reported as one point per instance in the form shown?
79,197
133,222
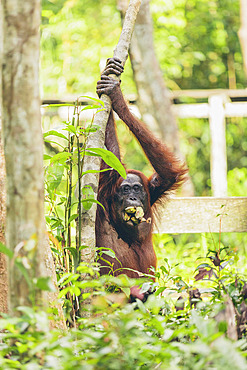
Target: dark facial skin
130,193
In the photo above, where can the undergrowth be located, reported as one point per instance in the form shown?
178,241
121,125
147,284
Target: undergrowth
194,319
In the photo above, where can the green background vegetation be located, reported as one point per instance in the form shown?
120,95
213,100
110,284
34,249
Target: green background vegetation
198,48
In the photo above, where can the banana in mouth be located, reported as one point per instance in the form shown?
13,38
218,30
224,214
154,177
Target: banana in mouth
135,214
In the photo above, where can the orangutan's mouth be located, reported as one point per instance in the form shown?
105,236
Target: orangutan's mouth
135,214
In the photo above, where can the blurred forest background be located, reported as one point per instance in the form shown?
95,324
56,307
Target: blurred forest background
197,45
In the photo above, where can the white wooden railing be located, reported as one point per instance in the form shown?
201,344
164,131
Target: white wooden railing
218,213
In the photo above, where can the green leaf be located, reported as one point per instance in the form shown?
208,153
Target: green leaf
92,128
207,290
83,247
224,264
94,99
44,283
46,156
53,142
87,197
59,105
203,265
91,154
91,107
75,290
67,278
109,253
70,128
160,290
91,200
145,287
54,250
6,251
109,158
95,171
60,157
27,310
54,133
88,284
126,291
73,217
54,176
164,269
74,253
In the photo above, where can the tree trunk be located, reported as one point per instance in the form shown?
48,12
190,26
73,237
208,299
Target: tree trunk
243,31
97,139
25,227
3,262
154,100
22,145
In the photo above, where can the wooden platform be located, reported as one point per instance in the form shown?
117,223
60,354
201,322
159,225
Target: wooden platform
203,214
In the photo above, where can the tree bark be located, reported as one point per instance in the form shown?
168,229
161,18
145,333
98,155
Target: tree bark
97,139
3,262
22,145
154,100
243,32
25,227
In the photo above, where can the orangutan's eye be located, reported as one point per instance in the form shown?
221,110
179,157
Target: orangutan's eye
126,189
137,188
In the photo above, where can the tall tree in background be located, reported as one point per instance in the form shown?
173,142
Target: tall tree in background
154,100
25,228
3,262
243,31
22,145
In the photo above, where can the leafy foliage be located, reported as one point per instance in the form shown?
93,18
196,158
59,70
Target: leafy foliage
197,46
121,335
202,47
196,43
183,324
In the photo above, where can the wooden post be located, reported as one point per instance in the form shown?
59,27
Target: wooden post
218,145
242,33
